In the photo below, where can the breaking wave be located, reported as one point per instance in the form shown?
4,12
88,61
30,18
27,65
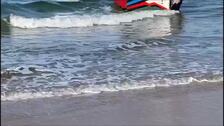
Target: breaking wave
83,20
96,89
69,13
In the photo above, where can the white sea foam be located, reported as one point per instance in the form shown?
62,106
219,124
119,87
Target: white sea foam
96,89
29,69
83,20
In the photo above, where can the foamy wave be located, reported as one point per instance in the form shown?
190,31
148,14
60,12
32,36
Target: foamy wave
25,70
83,20
96,89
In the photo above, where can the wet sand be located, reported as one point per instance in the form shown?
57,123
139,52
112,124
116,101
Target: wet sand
188,105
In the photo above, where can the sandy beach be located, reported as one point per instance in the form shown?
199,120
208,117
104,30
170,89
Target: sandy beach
187,105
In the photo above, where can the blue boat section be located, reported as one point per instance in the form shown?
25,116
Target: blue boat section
134,2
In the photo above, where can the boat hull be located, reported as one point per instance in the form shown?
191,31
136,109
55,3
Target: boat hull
162,4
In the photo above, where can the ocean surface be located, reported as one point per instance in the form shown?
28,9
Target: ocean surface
81,47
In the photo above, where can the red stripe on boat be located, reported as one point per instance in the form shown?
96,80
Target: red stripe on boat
142,4
121,3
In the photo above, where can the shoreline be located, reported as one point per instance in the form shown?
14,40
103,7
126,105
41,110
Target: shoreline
195,104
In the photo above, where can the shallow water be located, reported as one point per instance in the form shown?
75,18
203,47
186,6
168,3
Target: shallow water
73,48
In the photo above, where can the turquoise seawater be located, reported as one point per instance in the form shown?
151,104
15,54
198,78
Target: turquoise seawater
56,48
